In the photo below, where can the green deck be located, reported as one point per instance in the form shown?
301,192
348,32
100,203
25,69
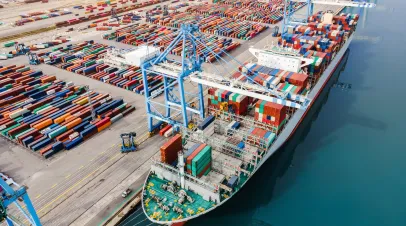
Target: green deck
154,211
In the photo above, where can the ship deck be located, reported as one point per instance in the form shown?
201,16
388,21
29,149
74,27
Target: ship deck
155,212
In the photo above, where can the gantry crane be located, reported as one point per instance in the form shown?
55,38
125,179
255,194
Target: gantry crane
11,192
191,67
291,18
174,74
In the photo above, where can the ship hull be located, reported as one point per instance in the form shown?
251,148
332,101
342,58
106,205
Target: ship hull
289,129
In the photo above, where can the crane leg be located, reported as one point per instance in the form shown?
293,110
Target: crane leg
9,222
31,210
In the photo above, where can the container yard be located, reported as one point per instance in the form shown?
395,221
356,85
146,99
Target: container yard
86,59
63,129
160,36
213,25
48,115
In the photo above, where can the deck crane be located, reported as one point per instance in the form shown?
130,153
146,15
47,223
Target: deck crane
174,73
11,192
291,19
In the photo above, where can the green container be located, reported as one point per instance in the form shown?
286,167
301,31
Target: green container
8,86
90,63
71,97
9,44
23,69
22,133
40,108
5,131
262,107
202,165
206,151
45,86
57,132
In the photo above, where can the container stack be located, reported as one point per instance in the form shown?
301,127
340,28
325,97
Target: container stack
284,81
235,103
260,137
198,160
84,58
169,151
35,16
261,12
140,34
320,41
207,126
270,113
213,24
107,13
47,115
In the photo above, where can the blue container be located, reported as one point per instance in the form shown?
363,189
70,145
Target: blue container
79,128
62,93
88,130
27,141
190,151
36,74
48,154
38,94
206,122
41,144
37,141
34,119
38,81
58,146
71,144
236,125
232,182
66,65
64,104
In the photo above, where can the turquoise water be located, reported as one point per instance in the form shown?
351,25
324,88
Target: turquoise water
346,165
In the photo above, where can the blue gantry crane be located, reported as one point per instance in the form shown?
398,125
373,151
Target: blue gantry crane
12,193
175,109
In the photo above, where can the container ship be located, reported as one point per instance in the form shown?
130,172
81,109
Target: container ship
202,167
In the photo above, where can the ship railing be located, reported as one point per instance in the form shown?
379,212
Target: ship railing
244,134
208,186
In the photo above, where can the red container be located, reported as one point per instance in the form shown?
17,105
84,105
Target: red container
169,151
163,130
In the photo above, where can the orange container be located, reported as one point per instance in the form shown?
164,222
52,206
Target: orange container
43,124
103,127
73,123
61,118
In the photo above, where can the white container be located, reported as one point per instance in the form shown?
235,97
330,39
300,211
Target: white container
73,135
169,132
17,113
